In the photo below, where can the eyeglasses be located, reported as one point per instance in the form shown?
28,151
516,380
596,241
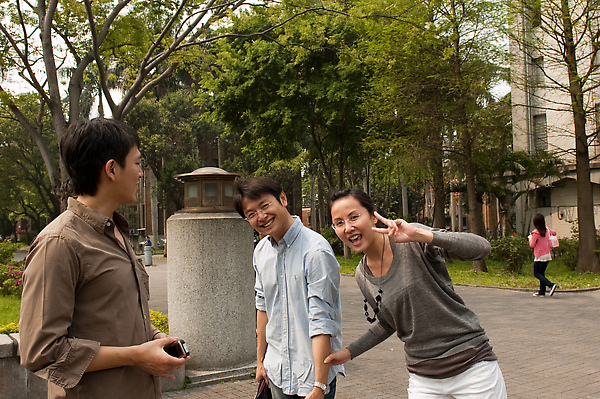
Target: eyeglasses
253,214
340,223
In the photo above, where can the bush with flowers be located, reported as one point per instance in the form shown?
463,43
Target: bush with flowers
9,328
11,271
11,278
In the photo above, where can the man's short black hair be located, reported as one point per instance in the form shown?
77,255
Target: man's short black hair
253,189
89,144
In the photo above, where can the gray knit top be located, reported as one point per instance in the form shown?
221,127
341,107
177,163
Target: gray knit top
442,337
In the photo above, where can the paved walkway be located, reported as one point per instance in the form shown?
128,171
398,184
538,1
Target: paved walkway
547,347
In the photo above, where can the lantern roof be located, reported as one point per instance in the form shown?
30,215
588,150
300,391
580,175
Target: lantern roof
204,172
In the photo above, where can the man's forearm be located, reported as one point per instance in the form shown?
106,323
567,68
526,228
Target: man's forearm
261,335
111,357
321,347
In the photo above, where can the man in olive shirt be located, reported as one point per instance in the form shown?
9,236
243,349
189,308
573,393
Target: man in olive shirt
85,324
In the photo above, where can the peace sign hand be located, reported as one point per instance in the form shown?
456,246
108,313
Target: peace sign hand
402,231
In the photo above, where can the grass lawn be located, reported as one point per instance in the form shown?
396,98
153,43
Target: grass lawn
9,309
461,273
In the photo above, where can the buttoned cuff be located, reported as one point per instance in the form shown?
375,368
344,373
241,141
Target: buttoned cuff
67,372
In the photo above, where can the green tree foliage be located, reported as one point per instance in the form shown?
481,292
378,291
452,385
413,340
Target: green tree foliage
405,102
296,89
25,190
175,139
132,44
435,64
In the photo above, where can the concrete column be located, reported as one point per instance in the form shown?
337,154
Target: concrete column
211,288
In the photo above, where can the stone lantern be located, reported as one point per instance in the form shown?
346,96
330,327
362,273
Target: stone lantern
207,190
210,280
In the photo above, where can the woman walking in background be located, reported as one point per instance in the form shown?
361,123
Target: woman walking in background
539,240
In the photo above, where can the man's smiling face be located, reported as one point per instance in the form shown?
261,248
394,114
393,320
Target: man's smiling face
267,215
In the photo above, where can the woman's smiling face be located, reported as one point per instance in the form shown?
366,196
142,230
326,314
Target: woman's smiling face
354,223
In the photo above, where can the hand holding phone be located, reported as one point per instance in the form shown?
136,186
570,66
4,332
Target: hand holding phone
177,349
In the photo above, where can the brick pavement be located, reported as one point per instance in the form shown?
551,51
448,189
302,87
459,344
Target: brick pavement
547,347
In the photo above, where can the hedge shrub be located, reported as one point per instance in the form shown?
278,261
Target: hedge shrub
333,239
10,328
160,321
515,251
7,251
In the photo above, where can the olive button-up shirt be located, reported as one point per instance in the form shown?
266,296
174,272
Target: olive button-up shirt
83,289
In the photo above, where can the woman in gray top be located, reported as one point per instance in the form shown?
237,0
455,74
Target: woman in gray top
407,290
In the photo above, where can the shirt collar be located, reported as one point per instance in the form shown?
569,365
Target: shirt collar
290,236
97,220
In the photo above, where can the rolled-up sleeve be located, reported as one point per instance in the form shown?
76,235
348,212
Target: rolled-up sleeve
51,274
258,290
323,277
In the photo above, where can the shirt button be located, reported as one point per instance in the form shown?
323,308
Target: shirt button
107,224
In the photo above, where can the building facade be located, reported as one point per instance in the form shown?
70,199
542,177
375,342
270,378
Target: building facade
542,111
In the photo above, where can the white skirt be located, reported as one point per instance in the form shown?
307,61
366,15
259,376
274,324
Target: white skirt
543,258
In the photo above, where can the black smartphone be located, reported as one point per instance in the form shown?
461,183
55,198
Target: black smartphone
177,349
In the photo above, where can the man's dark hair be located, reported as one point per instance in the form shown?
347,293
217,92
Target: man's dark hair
357,194
89,144
253,189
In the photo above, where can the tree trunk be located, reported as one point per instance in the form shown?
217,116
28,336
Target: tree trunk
494,222
404,213
439,193
475,215
313,203
588,258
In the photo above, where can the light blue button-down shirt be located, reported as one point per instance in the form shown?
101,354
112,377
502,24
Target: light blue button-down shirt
297,285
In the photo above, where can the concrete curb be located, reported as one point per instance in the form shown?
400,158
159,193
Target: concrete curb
570,290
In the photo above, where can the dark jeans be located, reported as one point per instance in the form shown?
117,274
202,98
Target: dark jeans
539,272
277,393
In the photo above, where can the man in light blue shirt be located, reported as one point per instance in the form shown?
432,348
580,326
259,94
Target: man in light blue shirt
299,315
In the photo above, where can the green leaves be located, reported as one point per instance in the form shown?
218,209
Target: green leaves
298,87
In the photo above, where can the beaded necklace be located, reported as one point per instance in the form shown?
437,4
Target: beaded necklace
379,292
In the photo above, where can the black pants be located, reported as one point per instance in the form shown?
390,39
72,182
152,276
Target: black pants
539,272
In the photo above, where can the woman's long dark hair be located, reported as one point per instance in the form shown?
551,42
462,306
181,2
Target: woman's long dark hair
540,224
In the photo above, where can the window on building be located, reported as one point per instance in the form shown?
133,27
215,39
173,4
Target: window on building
543,198
533,12
540,134
537,72
596,134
